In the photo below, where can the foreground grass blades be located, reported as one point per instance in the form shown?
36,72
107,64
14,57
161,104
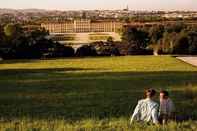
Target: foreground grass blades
120,124
86,93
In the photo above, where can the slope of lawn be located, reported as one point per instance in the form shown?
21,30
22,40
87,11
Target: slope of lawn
88,93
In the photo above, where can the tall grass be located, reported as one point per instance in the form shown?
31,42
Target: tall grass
190,92
91,93
120,124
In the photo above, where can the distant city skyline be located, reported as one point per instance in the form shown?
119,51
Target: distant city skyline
151,5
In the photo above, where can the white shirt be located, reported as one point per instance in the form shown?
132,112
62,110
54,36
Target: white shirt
146,110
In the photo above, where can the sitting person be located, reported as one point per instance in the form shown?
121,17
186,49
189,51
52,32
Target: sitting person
146,109
167,108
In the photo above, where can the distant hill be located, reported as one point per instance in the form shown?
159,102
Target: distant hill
14,11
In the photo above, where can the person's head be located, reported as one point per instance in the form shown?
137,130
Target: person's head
164,94
149,93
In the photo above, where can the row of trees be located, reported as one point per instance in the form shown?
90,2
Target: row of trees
161,39
16,43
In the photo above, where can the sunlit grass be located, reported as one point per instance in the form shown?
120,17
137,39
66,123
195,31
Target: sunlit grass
120,124
91,93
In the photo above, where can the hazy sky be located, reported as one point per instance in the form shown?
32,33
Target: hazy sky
101,4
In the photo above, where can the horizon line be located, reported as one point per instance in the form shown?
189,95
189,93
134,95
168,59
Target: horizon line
192,10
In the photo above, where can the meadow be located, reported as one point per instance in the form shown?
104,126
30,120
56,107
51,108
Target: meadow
92,93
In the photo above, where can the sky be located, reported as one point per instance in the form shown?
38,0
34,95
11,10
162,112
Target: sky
101,4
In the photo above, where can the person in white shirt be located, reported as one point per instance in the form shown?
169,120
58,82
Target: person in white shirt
146,109
167,108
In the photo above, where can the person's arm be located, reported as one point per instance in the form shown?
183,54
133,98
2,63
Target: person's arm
171,106
135,115
172,110
154,114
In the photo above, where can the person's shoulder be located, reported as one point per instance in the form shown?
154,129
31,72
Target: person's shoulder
141,101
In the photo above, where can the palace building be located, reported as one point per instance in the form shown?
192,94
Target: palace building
82,26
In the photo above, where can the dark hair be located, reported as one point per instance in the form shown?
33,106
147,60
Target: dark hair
166,94
149,93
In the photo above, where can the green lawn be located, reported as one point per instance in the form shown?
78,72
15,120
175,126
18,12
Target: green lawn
88,93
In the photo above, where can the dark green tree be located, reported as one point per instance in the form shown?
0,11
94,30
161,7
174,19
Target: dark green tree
13,31
181,45
168,41
137,40
86,50
192,39
155,34
175,27
135,37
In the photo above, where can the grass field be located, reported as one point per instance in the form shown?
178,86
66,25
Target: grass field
91,93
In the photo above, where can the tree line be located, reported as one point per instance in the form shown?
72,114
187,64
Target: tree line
178,38
18,43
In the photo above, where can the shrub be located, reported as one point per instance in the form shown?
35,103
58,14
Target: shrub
68,51
63,51
110,39
86,50
133,50
115,51
27,52
108,51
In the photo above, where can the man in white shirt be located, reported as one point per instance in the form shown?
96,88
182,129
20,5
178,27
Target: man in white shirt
146,109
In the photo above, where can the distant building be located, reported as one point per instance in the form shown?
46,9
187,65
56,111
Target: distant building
126,9
80,26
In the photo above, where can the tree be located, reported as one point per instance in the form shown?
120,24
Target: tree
156,33
39,34
181,44
110,39
25,50
12,33
192,39
30,45
136,38
177,27
168,41
13,30
2,35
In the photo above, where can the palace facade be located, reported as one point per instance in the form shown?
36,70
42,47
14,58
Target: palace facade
82,26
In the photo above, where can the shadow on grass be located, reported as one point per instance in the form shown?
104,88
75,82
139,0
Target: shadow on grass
41,71
17,61
75,96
